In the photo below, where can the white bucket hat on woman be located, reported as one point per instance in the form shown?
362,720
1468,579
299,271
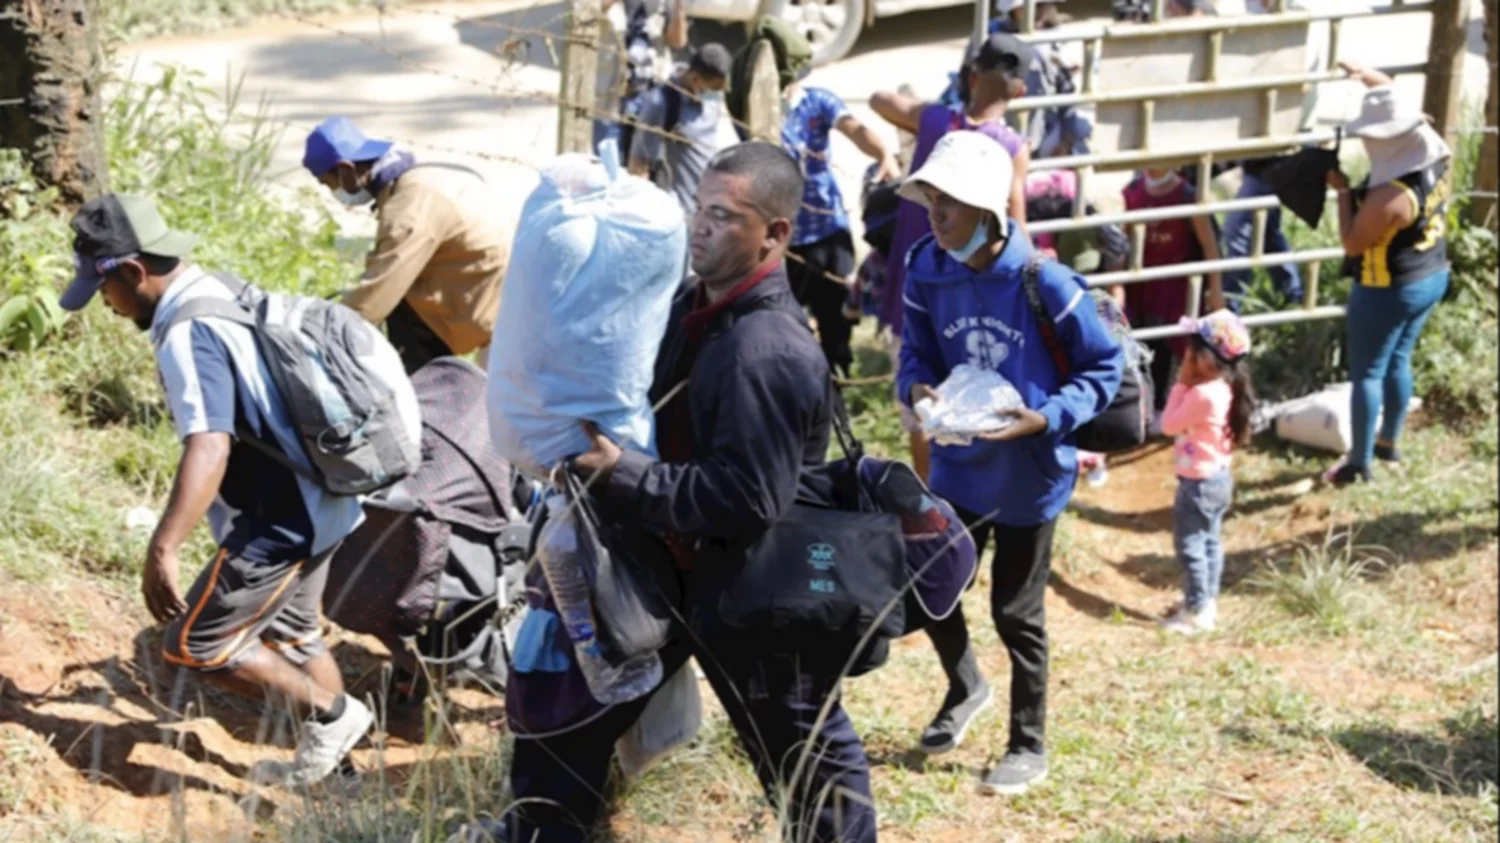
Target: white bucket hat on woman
971,167
1397,137
1382,116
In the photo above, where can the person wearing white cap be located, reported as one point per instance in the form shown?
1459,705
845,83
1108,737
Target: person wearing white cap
1393,230
966,302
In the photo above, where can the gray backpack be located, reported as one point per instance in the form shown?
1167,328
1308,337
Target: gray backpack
344,412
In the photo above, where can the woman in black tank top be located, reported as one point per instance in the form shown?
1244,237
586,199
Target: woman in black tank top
1393,229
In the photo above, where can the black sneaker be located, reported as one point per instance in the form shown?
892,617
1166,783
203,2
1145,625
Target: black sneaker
953,720
1387,453
1015,774
1347,474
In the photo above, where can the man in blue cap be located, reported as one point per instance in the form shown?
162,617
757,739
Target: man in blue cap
440,252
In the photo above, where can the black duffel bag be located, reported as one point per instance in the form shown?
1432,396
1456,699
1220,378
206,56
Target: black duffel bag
825,577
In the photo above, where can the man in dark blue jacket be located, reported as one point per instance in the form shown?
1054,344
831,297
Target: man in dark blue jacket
965,303
747,408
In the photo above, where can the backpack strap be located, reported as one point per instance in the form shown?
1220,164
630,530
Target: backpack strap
241,312
1031,280
237,311
672,98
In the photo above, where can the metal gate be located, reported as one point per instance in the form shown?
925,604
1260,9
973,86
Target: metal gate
1217,73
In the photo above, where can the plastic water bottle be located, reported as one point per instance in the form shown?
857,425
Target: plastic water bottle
609,684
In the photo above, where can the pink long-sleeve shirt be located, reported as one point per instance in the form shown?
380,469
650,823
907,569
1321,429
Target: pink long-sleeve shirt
1199,417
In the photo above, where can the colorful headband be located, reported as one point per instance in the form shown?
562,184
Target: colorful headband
1224,332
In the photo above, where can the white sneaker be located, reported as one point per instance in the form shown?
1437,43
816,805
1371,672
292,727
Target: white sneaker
323,745
1185,622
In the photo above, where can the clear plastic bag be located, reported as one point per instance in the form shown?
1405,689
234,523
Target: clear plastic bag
971,402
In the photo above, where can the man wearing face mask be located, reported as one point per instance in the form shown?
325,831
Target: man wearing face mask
433,278
966,303
683,125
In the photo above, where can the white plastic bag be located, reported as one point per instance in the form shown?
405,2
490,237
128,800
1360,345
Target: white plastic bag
596,261
972,401
670,720
1322,420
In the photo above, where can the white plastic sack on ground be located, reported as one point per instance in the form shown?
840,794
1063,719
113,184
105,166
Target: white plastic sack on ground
970,402
597,258
670,720
1321,420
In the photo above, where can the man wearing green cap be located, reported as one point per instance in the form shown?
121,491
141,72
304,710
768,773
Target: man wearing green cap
251,621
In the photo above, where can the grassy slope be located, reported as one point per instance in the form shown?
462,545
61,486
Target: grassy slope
1332,707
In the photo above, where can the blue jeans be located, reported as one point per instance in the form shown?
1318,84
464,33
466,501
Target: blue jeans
1239,229
1197,517
1383,326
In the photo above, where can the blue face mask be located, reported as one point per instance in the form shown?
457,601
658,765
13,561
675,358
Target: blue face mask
976,242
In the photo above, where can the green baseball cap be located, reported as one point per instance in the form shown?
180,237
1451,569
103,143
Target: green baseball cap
113,228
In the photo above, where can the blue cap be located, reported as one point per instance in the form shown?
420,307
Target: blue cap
338,139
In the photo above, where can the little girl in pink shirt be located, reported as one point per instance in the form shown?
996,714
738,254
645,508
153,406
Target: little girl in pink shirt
1209,413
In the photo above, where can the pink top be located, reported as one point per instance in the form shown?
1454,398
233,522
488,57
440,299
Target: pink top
1199,417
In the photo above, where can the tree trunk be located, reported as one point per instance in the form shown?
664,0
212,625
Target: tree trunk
50,109
1487,180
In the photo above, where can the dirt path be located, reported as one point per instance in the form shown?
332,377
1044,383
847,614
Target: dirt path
87,734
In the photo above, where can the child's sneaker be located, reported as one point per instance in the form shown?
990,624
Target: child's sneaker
1185,621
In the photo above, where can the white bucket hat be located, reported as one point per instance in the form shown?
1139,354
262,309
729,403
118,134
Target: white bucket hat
971,167
1382,116
1397,137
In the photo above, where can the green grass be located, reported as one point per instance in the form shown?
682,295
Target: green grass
1332,707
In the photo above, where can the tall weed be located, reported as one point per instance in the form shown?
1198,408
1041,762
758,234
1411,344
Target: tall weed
1324,582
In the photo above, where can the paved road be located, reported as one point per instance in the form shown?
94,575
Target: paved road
462,80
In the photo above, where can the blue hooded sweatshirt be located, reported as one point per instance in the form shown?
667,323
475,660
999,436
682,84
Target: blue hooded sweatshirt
956,315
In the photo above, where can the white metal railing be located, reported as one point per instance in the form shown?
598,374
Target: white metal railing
1197,89
1255,320
1212,28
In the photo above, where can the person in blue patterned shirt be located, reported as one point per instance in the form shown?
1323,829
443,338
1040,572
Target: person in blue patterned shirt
821,257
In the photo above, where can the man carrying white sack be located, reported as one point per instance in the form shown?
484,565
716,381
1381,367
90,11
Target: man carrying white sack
735,443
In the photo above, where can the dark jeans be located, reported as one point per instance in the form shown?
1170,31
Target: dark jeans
559,783
1018,586
824,296
1239,234
417,344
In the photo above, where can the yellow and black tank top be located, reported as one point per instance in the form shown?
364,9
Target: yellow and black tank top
1420,249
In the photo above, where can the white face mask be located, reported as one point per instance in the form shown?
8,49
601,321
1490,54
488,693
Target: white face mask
1167,179
353,200
712,96
978,240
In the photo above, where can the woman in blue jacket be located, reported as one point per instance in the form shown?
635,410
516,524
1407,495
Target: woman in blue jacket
965,302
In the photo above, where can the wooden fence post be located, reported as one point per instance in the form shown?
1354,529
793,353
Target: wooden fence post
575,107
763,103
50,107
1443,97
1483,209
